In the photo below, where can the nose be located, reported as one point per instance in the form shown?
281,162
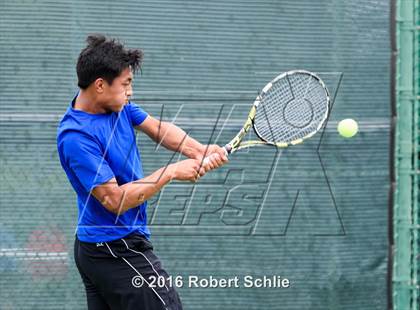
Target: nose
129,92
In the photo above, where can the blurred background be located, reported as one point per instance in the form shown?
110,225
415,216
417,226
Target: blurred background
337,217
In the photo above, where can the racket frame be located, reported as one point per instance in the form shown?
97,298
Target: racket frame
236,143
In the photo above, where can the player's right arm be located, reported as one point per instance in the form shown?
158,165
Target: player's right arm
85,158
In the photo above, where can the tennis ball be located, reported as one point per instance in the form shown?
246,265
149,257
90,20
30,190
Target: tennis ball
347,128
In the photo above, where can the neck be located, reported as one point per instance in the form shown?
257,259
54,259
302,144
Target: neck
88,102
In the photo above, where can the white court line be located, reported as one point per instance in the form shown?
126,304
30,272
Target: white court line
30,254
365,123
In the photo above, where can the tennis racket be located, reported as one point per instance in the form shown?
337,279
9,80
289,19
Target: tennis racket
290,109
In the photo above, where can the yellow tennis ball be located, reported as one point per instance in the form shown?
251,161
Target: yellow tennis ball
347,128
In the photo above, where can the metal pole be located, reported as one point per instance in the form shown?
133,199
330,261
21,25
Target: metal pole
403,287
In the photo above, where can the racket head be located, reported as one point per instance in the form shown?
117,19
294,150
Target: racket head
290,109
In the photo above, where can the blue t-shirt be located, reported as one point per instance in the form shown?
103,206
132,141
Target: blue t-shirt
94,148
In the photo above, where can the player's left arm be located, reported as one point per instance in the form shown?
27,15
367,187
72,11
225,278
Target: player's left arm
176,139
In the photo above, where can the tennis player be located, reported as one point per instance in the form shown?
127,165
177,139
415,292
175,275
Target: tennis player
97,148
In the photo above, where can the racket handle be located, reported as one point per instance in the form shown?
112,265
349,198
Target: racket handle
227,148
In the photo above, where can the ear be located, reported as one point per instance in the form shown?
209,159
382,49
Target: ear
99,85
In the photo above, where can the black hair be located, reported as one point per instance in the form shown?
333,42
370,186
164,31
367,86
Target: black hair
105,58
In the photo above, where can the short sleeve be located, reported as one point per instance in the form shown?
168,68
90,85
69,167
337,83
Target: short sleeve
85,158
137,114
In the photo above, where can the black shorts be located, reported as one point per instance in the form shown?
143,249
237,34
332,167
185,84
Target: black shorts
118,275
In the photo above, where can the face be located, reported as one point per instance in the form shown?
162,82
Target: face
114,97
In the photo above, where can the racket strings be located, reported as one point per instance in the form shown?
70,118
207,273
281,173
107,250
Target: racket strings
293,108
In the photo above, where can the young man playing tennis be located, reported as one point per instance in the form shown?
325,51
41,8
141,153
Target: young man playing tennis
96,145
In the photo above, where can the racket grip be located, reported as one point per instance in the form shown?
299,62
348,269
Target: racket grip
227,148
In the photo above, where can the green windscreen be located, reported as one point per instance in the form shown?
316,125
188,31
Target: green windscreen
315,214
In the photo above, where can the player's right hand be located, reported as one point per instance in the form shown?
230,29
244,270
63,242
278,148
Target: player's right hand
215,160
187,170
